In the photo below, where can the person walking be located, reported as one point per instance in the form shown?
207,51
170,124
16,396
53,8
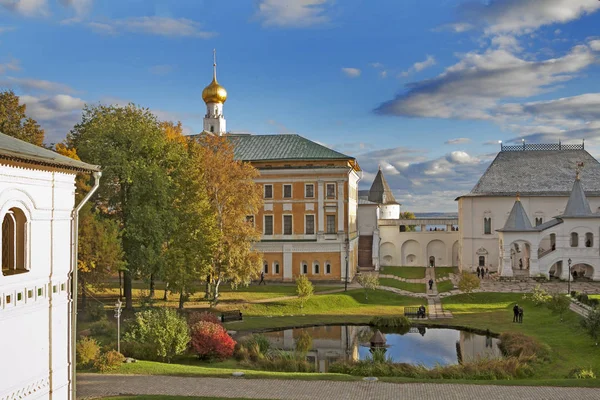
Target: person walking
430,284
520,315
487,272
516,313
262,279
478,272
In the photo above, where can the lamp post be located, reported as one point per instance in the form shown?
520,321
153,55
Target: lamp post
569,278
346,280
118,317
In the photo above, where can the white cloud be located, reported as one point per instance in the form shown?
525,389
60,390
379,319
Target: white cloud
457,27
36,85
420,66
162,69
160,26
351,72
81,7
525,16
595,45
12,65
55,114
458,141
28,8
6,29
293,13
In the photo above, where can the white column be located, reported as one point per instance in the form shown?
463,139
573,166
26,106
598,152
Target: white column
287,262
320,208
288,339
340,206
506,265
375,251
343,262
534,266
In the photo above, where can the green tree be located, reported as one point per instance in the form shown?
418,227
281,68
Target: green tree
559,304
14,122
232,195
304,289
304,342
368,282
189,248
136,190
591,324
468,282
408,215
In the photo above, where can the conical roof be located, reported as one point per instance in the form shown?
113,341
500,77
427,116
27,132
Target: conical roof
517,221
380,191
578,205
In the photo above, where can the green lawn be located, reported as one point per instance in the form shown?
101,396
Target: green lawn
571,347
410,287
405,272
444,286
161,397
442,272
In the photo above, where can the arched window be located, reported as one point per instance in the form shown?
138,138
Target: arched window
574,239
589,239
212,128
487,226
482,261
539,221
276,267
327,268
316,268
304,268
14,233
266,267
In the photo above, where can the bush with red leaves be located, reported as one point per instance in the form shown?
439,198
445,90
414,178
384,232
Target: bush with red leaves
205,316
211,341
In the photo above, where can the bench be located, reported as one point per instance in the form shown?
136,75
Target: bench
414,312
235,315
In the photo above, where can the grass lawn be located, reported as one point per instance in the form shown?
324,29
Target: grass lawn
594,296
442,272
444,286
161,397
571,347
411,287
405,272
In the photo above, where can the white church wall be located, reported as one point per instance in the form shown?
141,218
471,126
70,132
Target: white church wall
35,305
367,219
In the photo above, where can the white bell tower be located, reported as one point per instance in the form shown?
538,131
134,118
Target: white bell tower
214,95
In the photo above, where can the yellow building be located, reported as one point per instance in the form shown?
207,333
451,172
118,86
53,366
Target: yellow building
310,193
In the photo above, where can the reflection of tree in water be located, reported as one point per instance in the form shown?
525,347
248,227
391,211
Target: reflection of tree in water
458,352
364,334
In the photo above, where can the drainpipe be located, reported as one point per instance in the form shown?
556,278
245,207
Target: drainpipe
74,248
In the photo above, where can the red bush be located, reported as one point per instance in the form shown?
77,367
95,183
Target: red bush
211,341
205,316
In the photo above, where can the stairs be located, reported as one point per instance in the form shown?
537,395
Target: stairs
365,253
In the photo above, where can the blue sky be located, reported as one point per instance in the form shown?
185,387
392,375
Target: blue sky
424,88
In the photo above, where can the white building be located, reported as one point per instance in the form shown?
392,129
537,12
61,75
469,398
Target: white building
37,211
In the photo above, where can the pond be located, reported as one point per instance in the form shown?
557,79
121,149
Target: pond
420,345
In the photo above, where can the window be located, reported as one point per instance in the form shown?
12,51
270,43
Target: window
574,239
487,226
330,191
266,267
538,221
287,191
331,224
250,219
316,267
14,228
304,268
276,268
309,190
309,224
589,239
482,261
268,191
287,224
40,291
212,129
327,268
268,224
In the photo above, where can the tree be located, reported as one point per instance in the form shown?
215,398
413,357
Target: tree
468,282
304,289
189,247
232,195
136,190
14,122
559,304
368,282
591,324
408,215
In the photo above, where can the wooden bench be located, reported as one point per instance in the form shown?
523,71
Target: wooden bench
414,312
235,315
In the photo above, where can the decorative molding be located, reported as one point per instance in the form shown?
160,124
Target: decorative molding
482,252
28,390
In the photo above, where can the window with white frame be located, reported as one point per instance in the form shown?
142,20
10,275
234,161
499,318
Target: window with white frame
287,191
316,268
304,269
268,226
14,232
266,267
331,224
276,267
327,267
309,224
309,190
574,239
330,191
539,221
487,226
287,224
268,191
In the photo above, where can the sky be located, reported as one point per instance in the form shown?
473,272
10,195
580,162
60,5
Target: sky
425,89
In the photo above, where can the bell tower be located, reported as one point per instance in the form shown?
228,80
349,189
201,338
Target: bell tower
214,95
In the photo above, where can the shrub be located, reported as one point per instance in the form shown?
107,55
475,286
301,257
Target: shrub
103,328
284,362
559,304
539,296
304,289
94,311
211,341
574,293
591,324
157,334
516,344
259,340
241,353
582,373
304,343
583,298
368,282
390,322
109,361
468,282
196,317
594,302
87,350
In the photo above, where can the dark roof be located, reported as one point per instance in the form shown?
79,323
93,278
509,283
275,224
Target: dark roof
538,173
548,224
281,147
517,220
578,205
380,191
14,149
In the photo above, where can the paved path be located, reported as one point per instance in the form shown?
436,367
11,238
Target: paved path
90,386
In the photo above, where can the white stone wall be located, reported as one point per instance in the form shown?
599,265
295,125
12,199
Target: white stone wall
367,219
35,305
390,211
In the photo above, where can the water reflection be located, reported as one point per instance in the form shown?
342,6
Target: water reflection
420,345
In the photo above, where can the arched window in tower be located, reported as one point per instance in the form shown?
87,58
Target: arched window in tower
487,226
574,239
589,239
14,232
212,129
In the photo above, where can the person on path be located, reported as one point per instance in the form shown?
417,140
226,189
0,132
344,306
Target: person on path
516,313
520,315
262,279
487,272
430,284
478,272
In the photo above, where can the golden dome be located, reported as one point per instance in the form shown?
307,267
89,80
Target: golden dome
214,93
